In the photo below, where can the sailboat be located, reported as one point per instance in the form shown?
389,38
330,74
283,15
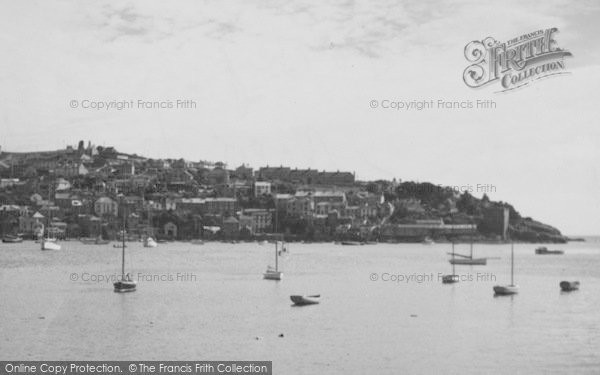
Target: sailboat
47,242
453,278
125,284
468,259
506,290
274,273
148,240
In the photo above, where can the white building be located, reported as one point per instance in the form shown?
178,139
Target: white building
262,188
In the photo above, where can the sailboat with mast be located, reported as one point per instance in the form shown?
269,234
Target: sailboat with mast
125,284
467,259
274,273
506,290
453,278
47,242
148,240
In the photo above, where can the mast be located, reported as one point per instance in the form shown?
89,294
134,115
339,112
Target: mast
471,248
123,250
512,262
276,260
453,273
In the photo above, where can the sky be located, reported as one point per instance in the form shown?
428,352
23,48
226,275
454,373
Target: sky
290,83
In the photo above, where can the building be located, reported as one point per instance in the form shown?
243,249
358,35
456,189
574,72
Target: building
32,225
495,220
231,227
220,206
424,229
274,173
301,206
262,188
170,230
217,176
260,220
106,206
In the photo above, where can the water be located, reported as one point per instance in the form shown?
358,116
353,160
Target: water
361,326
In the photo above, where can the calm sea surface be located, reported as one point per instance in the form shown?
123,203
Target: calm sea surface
222,309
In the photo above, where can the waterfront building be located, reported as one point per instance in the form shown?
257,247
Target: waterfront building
106,206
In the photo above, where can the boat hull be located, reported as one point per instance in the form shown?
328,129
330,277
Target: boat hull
545,251
550,252
305,300
49,245
450,279
10,239
95,242
272,275
470,262
506,290
150,243
569,286
125,286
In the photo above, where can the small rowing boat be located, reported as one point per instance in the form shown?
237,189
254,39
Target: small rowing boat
544,251
306,300
569,286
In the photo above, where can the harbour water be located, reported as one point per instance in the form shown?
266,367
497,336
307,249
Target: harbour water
383,308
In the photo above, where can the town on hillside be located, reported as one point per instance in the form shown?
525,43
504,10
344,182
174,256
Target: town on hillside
93,191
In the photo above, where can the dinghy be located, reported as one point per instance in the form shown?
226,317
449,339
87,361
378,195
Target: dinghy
568,286
306,300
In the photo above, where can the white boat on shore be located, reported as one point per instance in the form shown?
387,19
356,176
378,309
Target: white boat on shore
149,242
48,244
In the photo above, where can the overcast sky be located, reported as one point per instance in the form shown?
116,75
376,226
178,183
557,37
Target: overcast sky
291,84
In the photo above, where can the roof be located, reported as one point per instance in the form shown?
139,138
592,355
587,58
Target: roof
104,200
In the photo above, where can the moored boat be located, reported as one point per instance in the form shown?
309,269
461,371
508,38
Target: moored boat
568,286
469,261
506,290
543,250
125,284
305,300
453,278
94,241
351,243
427,241
273,273
49,245
12,239
149,242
